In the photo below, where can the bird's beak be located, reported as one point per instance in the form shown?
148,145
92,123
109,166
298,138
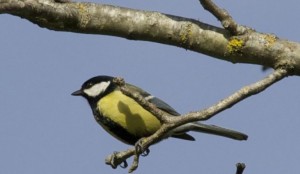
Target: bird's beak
77,93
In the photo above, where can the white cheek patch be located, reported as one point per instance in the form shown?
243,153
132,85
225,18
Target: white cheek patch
97,89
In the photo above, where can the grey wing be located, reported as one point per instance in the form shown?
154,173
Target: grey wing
156,101
163,106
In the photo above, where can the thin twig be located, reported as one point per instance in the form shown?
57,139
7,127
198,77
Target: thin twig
240,168
134,164
224,17
173,122
162,116
236,97
117,158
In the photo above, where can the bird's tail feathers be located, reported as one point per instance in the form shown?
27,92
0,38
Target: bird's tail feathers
211,129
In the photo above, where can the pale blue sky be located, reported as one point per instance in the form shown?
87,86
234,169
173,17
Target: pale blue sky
43,129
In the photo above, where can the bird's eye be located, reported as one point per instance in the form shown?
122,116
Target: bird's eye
89,85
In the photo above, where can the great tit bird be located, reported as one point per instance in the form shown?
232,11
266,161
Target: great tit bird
128,121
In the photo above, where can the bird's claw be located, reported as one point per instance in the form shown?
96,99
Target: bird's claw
139,149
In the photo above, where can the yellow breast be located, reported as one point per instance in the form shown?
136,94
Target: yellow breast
129,114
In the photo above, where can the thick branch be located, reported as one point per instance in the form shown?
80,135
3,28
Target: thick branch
91,18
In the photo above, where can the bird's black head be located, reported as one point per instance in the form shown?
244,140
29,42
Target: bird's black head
95,88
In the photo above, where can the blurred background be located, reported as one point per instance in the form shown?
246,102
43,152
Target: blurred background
43,129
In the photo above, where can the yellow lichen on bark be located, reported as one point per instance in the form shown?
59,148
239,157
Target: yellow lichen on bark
234,46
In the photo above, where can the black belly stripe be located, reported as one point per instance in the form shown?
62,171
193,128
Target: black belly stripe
116,129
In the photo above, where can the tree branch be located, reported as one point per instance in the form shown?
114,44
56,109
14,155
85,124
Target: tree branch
90,18
240,167
222,15
236,97
170,123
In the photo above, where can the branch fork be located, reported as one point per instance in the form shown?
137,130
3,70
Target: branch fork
169,123
224,17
